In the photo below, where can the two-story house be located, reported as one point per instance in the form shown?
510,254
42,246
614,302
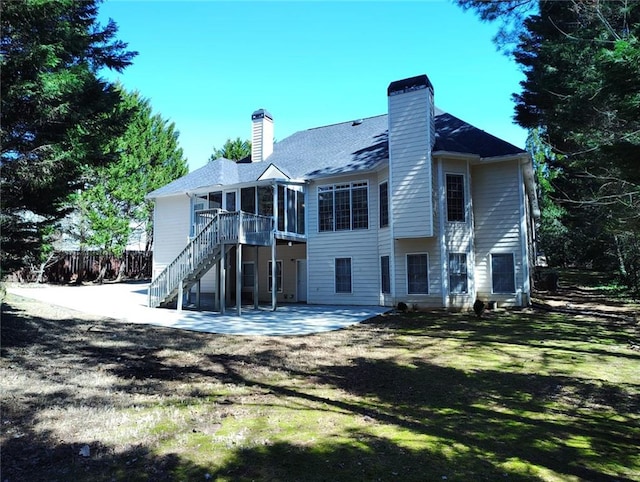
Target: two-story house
413,206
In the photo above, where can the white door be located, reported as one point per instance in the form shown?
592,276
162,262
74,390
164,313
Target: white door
301,280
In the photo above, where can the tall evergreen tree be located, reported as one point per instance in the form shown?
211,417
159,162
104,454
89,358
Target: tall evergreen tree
234,150
147,156
581,61
57,113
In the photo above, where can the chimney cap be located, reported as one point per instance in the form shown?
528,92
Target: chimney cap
410,84
260,114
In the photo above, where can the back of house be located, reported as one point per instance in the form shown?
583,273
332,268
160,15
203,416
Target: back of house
413,206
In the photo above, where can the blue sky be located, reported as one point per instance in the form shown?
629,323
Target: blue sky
207,65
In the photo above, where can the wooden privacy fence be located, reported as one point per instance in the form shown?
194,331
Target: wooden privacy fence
71,264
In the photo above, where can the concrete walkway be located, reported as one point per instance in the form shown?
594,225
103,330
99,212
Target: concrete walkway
127,302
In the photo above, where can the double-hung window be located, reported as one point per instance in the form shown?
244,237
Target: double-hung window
385,277
384,204
343,275
502,273
458,280
455,198
418,273
343,207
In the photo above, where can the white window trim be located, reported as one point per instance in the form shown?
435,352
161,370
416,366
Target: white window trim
465,192
513,258
382,292
335,288
386,181
463,293
406,262
343,186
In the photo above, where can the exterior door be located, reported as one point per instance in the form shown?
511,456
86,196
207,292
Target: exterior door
301,280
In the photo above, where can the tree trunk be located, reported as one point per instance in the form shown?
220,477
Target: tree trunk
122,268
103,270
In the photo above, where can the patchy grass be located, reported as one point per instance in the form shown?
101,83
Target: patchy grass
523,395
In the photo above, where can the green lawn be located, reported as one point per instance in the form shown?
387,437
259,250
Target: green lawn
521,395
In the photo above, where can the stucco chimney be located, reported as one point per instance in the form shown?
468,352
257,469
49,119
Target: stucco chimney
411,139
261,135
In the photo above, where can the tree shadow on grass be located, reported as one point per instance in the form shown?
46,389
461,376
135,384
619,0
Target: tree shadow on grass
498,418
526,328
440,421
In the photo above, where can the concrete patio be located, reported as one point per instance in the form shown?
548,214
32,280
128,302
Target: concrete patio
127,302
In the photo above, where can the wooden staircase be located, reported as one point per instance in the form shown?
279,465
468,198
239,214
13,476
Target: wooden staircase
216,231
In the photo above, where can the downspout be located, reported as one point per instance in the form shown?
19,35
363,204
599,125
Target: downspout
472,240
392,243
524,238
443,242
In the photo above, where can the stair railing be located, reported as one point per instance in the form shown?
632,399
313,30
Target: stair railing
196,251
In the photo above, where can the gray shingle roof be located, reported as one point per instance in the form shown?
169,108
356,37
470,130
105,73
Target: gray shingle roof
338,149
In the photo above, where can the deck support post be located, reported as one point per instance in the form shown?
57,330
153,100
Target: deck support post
223,280
239,278
256,291
198,288
274,275
180,296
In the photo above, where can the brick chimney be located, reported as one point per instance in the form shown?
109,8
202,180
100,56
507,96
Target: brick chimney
411,139
261,135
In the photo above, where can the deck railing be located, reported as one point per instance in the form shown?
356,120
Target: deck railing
213,229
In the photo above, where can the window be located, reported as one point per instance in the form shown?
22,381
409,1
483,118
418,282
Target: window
385,278
455,197
417,274
291,211
265,200
458,282
248,275
280,208
343,275
343,207
278,276
360,203
300,211
231,201
384,204
342,200
503,273
215,200
325,208
248,199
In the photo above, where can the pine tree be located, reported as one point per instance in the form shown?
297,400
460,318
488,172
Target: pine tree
57,113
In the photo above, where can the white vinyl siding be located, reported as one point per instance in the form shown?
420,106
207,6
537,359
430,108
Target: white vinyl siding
171,227
431,247
410,168
361,245
496,211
